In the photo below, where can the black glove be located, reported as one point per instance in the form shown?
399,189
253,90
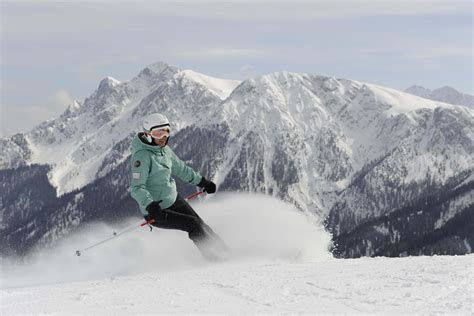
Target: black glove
208,186
153,210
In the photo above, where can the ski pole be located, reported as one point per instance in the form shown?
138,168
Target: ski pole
188,198
79,252
131,228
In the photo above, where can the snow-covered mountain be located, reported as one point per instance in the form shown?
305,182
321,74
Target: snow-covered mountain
354,152
443,94
78,143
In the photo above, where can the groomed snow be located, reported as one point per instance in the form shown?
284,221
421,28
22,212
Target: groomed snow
422,285
280,265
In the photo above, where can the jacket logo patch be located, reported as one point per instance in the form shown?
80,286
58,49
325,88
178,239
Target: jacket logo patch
136,175
138,163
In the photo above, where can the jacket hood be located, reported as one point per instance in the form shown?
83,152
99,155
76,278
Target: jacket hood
138,145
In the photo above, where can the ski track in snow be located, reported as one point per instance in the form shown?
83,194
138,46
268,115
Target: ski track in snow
279,264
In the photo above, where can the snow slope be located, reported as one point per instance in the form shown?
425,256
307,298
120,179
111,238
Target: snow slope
280,265
221,87
372,285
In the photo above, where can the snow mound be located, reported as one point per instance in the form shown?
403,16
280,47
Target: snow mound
256,228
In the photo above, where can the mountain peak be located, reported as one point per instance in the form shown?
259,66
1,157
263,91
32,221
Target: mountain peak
72,108
416,87
445,94
283,76
446,89
220,87
108,83
157,69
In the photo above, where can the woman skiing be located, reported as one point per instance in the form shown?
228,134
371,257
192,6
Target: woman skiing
154,165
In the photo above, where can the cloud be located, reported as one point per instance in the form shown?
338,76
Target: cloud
247,71
23,117
437,52
65,17
99,67
49,44
245,10
224,53
59,101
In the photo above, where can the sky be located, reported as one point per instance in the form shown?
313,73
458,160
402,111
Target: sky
54,52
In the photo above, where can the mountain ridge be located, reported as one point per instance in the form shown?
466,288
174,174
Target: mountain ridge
444,94
339,148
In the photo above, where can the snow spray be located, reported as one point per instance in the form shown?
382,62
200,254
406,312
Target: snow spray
257,228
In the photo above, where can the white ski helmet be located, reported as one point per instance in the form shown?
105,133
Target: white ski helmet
155,120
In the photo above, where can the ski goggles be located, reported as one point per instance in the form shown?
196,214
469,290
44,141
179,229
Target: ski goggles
160,133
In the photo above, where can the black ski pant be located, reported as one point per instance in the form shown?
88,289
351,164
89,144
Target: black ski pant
181,216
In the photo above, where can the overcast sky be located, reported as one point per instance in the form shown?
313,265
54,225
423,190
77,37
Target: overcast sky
55,51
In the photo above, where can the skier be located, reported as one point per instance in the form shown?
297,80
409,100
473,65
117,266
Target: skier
154,165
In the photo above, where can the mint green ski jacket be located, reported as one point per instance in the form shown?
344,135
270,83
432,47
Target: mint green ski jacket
152,170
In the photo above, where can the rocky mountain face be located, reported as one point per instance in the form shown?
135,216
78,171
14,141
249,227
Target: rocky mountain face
390,173
444,94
